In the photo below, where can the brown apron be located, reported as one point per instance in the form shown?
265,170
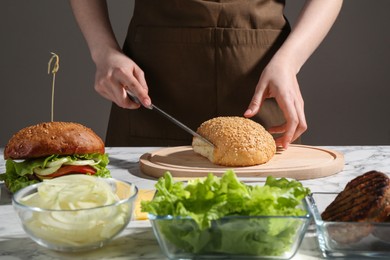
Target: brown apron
202,59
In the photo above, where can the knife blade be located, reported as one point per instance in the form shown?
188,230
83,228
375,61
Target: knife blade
171,118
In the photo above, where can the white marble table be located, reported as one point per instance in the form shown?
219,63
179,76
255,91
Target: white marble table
138,241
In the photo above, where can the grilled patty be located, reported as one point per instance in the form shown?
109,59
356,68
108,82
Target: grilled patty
364,199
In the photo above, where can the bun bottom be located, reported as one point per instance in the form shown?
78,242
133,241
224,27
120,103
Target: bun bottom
230,157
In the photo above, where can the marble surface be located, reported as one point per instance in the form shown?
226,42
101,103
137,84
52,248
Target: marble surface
137,241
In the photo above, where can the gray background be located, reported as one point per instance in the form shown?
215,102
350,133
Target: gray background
345,84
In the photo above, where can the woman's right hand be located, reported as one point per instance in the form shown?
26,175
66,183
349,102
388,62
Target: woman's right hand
115,75
115,72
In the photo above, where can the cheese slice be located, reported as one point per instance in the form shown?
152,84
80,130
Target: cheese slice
142,195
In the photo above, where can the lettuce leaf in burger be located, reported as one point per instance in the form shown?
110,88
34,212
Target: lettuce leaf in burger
50,150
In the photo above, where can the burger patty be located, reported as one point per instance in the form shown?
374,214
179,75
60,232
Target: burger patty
364,199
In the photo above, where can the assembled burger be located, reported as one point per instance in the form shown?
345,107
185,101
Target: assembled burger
49,150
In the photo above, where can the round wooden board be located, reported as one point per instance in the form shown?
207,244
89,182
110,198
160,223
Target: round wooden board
298,161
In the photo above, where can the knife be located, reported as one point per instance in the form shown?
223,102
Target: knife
171,118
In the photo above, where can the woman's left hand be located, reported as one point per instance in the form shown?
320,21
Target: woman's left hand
279,81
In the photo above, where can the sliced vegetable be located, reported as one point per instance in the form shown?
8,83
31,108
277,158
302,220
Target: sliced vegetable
58,162
46,171
69,169
84,220
83,162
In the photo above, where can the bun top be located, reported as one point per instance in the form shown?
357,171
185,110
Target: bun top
45,139
238,141
236,132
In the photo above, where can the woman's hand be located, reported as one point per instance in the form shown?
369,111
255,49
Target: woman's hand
115,72
279,81
115,75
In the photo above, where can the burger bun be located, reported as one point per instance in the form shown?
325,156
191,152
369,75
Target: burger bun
45,139
238,141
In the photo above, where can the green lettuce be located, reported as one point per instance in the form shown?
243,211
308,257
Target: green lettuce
21,174
198,212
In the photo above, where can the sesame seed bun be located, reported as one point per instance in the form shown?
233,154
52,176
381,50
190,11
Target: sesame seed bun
238,141
45,139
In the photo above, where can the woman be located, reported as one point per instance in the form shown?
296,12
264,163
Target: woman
198,59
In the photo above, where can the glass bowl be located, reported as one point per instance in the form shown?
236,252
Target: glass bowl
235,237
348,239
78,229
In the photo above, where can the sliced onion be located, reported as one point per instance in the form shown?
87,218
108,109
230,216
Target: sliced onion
83,162
78,227
46,171
58,162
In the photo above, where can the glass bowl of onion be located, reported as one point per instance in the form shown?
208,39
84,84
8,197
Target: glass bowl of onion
75,212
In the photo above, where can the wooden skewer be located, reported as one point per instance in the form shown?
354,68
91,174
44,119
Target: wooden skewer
53,71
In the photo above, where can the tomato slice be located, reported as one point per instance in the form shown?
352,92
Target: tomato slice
70,169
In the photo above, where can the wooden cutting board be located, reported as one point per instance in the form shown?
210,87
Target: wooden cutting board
298,161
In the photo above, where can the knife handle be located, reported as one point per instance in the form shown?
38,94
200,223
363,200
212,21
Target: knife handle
135,99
